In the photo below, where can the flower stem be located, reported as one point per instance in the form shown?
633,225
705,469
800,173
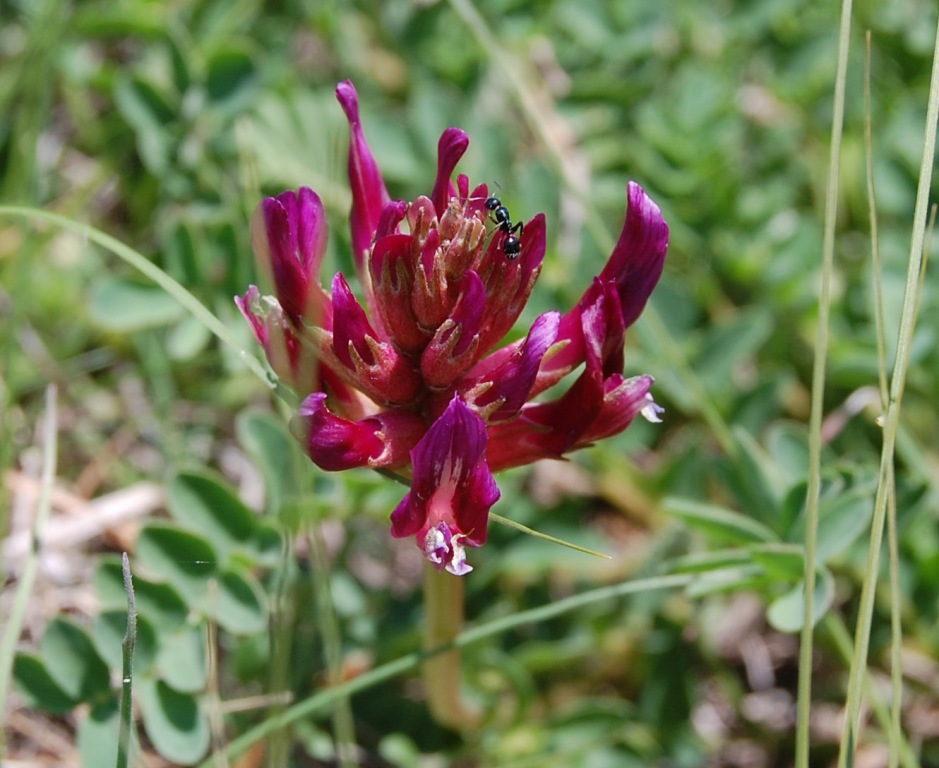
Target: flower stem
443,620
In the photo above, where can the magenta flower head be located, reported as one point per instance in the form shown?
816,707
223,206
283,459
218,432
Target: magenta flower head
408,375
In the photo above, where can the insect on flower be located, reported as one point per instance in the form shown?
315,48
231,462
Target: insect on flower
499,214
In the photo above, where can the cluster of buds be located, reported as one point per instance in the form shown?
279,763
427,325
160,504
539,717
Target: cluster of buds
410,379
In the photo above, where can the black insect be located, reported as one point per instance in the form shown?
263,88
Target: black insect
499,214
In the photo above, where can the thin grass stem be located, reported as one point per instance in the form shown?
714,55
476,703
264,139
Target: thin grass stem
818,393
908,317
836,628
896,630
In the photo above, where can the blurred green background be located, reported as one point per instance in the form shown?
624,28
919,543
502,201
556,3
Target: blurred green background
164,123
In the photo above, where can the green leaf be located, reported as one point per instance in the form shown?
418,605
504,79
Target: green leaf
726,345
183,559
72,661
702,562
149,114
786,613
38,687
108,583
792,513
350,599
181,661
174,722
97,735
231,77
137,20
187,339
270,545
841,520
240,606
205,504
277,454
727,580
120,305
758,483
780,561
160,603
107,634
291,153
723,524
787,445
157,602
181,62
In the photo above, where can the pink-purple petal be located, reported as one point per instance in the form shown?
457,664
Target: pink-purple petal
288,233
249,308
451,350
623,400
510,283
391,216
369,195
452,486
596,320
351,327
450,148
636,263
363,358
508,386
284,351
550,429
335,443
392,273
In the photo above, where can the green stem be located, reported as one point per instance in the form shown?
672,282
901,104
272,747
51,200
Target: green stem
900,748
127,648
896,630
818,396
443,621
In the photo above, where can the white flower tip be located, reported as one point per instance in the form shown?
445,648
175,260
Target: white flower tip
444,550
458,565
652,412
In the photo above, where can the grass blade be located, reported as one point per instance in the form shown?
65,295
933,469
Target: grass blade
14,623
818,393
